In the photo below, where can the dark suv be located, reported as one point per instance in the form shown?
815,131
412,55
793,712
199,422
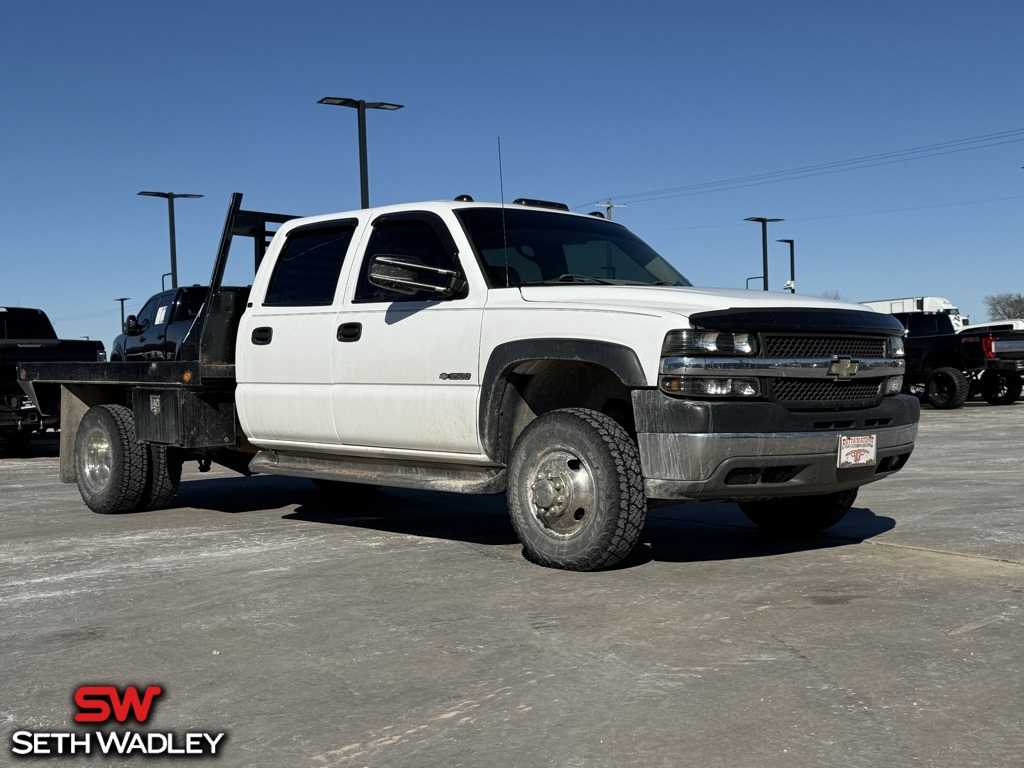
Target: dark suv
157,331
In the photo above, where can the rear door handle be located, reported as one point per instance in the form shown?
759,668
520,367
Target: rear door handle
262,336
350,331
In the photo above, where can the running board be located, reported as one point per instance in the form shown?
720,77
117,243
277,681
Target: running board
452,478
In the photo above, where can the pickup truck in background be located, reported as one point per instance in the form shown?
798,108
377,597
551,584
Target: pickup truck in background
26,335
940,362
1003,379
161,325
485,348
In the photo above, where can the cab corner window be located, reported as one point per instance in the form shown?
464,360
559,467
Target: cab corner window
307,270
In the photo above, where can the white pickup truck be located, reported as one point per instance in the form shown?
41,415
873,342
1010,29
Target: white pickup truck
485,348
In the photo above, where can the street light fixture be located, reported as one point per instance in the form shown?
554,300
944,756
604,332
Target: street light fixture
764,243
792,266
123,299
361,106
170,197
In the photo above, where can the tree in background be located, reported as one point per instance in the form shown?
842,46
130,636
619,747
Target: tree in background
1005,306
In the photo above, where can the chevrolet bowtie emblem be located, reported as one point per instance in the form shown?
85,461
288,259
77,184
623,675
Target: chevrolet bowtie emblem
844,368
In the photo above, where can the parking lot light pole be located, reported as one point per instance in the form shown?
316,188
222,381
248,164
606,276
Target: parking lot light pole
361,106
123,299
764,243
170,196
792,266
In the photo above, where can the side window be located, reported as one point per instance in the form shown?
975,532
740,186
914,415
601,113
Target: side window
163,309
190,300
409,238
306,272
146,314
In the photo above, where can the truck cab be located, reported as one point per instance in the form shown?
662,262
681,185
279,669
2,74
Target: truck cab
156,332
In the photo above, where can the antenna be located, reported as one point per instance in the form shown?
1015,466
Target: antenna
504,234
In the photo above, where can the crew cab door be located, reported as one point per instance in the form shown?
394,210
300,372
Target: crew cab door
287,336
406,367
147,343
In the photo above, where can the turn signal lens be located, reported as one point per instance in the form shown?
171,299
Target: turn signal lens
709,387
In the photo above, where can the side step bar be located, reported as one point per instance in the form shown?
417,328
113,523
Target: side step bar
452,478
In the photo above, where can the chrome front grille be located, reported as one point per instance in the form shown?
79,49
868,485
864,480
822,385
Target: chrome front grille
823,346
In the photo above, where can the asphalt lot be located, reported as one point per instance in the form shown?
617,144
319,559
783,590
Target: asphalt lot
405,629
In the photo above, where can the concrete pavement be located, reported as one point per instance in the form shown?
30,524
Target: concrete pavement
404,629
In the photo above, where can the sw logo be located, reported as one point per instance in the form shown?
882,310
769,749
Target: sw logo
110,704
97,703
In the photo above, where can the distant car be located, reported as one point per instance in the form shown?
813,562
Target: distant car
161,325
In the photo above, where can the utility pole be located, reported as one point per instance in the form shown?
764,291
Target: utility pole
608,205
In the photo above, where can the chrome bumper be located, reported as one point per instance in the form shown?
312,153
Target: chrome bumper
692,450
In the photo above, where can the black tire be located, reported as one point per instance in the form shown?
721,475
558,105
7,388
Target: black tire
1001,387
111,467
946,388
799,515
575,490
164,476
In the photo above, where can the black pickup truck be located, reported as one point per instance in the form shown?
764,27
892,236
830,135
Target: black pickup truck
157,331
1002,380
940,363
27,336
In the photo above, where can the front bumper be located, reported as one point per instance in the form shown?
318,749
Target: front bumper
706,450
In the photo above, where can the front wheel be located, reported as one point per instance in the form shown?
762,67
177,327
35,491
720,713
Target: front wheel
1001,387
799,515
111,467
946,388
575,490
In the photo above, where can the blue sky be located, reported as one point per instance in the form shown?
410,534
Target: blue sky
591,100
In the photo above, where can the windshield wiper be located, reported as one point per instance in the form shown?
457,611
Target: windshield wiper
570,278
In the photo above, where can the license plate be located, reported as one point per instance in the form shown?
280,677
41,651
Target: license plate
856,451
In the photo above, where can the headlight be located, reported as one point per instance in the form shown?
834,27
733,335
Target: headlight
690,343
894,347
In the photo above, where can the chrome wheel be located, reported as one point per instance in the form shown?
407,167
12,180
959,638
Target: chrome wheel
97,460
561,494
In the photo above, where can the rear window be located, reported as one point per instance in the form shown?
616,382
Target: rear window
21,323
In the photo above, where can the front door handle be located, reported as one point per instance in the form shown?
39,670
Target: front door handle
350,331
262,336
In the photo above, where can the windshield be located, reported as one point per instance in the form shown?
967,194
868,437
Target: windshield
529,247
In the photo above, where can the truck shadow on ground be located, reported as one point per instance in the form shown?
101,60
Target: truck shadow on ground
680,534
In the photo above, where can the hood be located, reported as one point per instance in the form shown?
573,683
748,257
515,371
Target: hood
681,301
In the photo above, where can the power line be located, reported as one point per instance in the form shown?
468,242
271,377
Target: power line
848,215
821,169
